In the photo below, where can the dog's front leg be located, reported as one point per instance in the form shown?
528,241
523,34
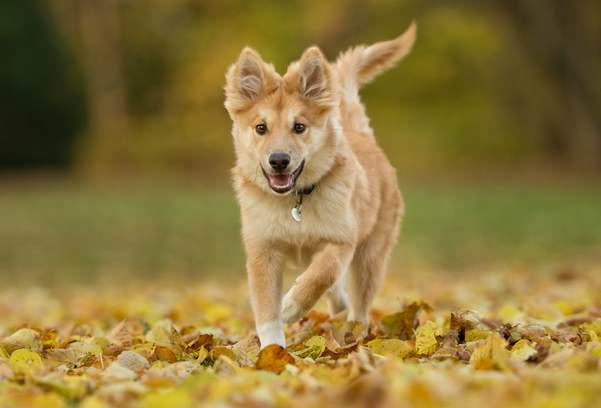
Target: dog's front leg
264,267
326,267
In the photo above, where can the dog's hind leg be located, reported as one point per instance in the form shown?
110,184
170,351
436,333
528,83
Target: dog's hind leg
337,296
369,263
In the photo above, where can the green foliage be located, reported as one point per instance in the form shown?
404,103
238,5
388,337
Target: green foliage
42,105
486,85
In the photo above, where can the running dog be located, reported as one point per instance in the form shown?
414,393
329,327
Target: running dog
311,181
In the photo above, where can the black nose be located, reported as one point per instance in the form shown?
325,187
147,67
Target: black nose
279,161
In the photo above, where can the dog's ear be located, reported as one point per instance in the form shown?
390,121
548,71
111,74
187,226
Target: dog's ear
315,78
247,80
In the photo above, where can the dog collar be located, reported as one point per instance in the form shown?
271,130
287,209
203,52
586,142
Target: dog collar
307,190
296,210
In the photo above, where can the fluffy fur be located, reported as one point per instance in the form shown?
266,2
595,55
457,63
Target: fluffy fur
351,220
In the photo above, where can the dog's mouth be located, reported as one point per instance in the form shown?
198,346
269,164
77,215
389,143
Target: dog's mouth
283,182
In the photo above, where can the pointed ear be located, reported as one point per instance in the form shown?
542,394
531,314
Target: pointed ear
315,78
247,80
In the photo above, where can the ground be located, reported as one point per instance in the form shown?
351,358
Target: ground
499,339
101,305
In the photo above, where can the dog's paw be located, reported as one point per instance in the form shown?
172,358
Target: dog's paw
291,310
271,333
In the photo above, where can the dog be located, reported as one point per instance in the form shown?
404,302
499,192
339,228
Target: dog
311,182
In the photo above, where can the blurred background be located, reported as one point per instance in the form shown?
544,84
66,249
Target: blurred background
115,148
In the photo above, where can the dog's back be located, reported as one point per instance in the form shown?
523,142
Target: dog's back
355,68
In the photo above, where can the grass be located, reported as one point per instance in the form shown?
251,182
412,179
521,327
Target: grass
55,232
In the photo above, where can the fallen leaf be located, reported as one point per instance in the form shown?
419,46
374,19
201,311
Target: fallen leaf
390,347
273,358
491,355
132,360
523,350
403,323
425,338
314,347
23,339
25,362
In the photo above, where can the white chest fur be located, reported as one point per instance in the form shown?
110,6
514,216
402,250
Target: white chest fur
326,216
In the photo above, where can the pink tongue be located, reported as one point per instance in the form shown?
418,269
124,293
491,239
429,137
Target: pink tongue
280,180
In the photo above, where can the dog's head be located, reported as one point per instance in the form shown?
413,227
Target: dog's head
282,126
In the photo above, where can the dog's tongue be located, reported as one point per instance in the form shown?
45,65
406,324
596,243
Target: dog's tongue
280,180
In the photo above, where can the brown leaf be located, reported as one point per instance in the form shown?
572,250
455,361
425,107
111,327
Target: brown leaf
164,354
402,324
347,334
195,344
273,358
126,331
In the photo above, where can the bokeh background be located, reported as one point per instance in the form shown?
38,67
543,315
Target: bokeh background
115,148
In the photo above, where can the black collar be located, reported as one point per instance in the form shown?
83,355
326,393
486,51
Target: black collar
307,190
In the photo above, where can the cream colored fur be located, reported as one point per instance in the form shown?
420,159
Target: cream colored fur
351,220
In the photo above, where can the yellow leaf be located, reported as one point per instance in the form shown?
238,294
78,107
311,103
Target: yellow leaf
216,312
72,387
171,398
476,334
492,355
92,402
316,345
23,361
223,351
202,354
593,329
595,350
46,401
390,347
425,338
509,313
523,350
84,347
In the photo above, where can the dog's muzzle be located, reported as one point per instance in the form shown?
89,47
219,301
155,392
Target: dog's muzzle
282,183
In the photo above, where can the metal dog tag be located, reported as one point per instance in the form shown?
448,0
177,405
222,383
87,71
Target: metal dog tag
296,214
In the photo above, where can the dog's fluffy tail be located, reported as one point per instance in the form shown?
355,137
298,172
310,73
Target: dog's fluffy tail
357,66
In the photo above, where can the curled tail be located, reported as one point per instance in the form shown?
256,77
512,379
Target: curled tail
359,65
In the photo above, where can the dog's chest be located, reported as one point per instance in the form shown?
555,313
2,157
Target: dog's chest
321,218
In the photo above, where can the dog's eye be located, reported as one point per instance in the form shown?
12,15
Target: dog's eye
299,128
261,129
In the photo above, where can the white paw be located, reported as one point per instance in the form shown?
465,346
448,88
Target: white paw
291,310
271,333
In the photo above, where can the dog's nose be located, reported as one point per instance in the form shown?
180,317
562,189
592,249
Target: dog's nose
279,161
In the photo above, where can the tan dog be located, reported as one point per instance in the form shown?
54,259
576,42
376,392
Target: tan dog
311,181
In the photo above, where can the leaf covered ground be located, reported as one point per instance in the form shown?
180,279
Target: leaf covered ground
501,338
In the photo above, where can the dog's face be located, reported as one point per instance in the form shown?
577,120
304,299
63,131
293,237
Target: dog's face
280,124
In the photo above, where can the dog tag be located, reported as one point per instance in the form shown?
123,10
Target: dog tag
296,214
